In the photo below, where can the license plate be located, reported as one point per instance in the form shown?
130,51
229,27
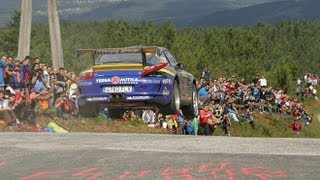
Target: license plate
117,89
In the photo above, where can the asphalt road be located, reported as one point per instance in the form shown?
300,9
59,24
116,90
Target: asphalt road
126,156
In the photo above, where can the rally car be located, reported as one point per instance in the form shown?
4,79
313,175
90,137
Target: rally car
141,77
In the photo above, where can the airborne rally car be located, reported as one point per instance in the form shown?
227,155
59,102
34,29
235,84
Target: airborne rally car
135,77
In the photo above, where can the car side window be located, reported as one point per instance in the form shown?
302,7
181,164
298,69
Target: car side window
163,58
171,59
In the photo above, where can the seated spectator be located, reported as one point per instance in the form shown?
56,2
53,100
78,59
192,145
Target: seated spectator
188,128
232,112
203,93
148,116
6,113
41,100
23,110
65,108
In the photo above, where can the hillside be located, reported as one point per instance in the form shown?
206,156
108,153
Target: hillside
181,12
273,12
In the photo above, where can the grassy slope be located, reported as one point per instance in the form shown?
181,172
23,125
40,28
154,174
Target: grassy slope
266,126
277,126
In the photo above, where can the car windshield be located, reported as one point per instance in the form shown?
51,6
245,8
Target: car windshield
132,58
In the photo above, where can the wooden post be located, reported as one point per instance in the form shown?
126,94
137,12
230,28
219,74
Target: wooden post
55,35
25,29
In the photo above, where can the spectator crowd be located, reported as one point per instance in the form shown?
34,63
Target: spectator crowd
236,99
29,88
224,101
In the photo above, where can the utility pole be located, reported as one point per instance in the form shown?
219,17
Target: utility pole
55,35
25,29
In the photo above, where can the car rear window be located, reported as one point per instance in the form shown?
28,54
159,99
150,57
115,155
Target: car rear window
132,58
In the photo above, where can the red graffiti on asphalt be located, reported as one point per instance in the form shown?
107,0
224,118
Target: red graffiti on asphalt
206,171
2,162
84,172
43,174
133,174
170,173
212,169
263,173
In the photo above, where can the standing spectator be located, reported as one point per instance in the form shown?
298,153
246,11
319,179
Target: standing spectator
37,60
206,115
3,64
299,81
296,127
256,80
60,77
225,123
39,81
9,73
206,75
247,115
25,72
263,81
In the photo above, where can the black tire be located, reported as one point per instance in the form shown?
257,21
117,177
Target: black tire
192,110
88,111
174,106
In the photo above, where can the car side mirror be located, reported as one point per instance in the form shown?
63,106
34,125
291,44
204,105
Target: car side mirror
181,66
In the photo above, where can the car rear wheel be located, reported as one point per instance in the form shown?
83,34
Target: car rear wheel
174,105
192,110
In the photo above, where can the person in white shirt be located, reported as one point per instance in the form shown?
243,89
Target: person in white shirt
6,112
4,103
299,81
263,81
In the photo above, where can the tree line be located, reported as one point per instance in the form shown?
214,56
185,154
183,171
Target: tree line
281,52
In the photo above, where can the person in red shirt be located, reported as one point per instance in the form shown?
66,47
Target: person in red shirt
206,119
296,127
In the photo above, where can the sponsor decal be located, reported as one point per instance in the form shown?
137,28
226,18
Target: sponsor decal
166,81
118,80
138,97
85,83
115,80
150,81
97,98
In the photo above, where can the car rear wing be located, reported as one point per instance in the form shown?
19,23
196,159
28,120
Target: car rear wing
96,52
